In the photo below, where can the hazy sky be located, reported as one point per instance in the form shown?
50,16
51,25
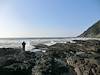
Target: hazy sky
47,18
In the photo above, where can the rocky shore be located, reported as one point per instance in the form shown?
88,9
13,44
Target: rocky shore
82,57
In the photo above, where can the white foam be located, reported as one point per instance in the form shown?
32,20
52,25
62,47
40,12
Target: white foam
17,43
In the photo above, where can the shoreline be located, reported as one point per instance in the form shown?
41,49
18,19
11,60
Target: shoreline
64,58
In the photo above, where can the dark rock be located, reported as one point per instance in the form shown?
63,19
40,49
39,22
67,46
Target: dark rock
39,46
15,62
60,59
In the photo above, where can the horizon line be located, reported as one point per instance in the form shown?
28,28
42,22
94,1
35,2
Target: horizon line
35,37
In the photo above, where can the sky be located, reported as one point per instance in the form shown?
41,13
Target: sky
47,18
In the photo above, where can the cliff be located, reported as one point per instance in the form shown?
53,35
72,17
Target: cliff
93,31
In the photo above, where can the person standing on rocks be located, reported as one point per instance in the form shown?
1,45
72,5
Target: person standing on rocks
23,45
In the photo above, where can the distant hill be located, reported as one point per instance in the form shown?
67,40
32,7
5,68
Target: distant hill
93,31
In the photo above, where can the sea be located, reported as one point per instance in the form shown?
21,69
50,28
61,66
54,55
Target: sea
31,42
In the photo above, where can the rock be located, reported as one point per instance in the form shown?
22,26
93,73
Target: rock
15,62
79,58
39,46
78,71
51,66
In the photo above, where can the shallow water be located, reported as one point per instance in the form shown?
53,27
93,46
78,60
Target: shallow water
30,42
